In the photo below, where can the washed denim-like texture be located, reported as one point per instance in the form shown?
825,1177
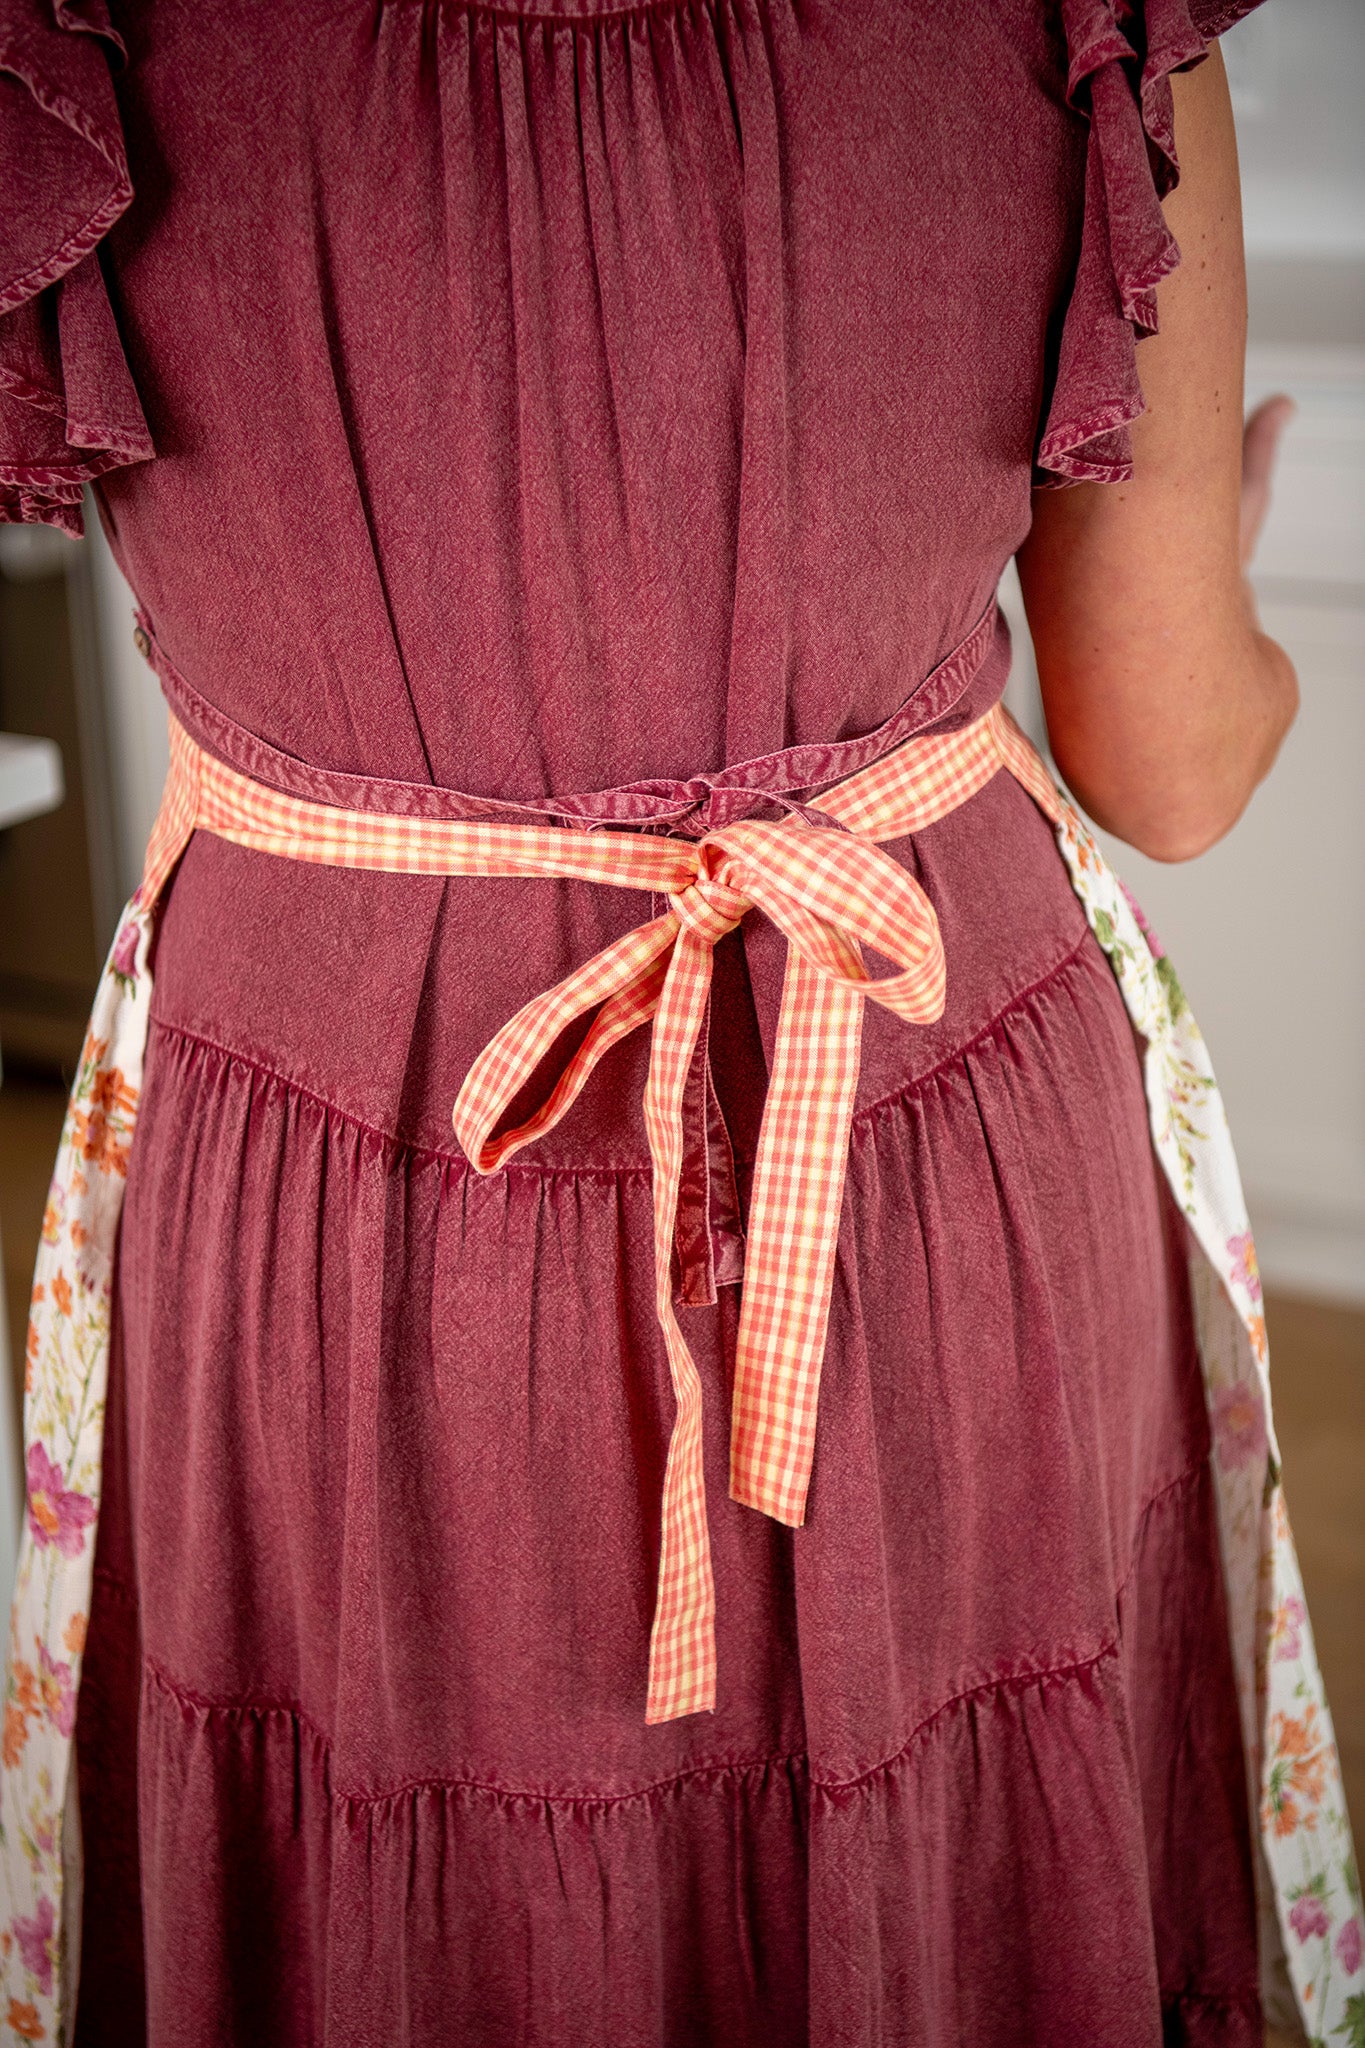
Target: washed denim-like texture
522,404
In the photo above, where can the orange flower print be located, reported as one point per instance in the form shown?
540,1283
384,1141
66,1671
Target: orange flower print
22,2019
101,1133
99,1142
112,1094
73,1635
79,1184
1287,1815
52,1220
61,1294
1256,1332
79,1234
1298,1771
25,1685
14,1737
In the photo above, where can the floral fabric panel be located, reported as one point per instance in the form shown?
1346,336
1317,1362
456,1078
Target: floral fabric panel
65,1374
1309,1884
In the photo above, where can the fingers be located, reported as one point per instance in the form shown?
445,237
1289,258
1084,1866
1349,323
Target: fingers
1260,446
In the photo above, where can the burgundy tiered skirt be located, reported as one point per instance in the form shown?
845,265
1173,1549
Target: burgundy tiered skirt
362,1743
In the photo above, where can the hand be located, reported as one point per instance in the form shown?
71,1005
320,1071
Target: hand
1260,447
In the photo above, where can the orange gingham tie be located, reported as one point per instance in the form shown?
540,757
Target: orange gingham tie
830,892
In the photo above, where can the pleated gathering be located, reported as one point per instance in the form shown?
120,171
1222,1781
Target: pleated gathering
378,1547
530,400
682,1913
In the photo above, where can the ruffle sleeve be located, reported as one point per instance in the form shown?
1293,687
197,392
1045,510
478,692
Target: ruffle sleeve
69,410
1120,57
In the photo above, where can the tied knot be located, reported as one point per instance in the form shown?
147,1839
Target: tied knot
831,894
713,903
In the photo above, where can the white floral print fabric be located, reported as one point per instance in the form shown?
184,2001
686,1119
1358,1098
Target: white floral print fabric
1311,1926
65,1374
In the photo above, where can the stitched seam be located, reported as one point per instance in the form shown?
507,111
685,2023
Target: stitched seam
640,9
1015,1002
1015,1683
1019,1680
187,1697
391,1139
611,1170
795,1762
1148,1508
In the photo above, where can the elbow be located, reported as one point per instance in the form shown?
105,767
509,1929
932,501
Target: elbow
1168,824
1174,839
1175,791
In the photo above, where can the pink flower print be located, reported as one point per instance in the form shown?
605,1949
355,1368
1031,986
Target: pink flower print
1154,945
55,1514
1287,1633
58,1693
1309,1916
1245,1271
124,957
1350,1947
37,1944
1239,1426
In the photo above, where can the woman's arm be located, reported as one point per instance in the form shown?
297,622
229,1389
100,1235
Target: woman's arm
1165,702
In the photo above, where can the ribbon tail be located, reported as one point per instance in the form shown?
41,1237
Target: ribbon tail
682,1643
793,1238
622,983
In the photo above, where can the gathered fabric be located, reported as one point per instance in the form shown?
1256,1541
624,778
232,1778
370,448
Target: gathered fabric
820,876
636,461
830,890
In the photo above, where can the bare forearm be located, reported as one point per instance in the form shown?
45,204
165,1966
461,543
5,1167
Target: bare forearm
1165,702
1163,717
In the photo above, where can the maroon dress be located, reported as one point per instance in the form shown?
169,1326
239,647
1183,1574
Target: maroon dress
543,398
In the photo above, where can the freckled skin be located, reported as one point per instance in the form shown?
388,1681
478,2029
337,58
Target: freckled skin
1166,704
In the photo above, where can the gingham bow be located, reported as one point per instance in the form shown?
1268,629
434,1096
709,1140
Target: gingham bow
829,894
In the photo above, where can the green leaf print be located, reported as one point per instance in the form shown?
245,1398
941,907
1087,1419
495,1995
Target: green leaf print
1170,981
1353,2026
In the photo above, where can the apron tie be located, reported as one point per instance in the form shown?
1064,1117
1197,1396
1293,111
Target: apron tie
819,874
830,894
